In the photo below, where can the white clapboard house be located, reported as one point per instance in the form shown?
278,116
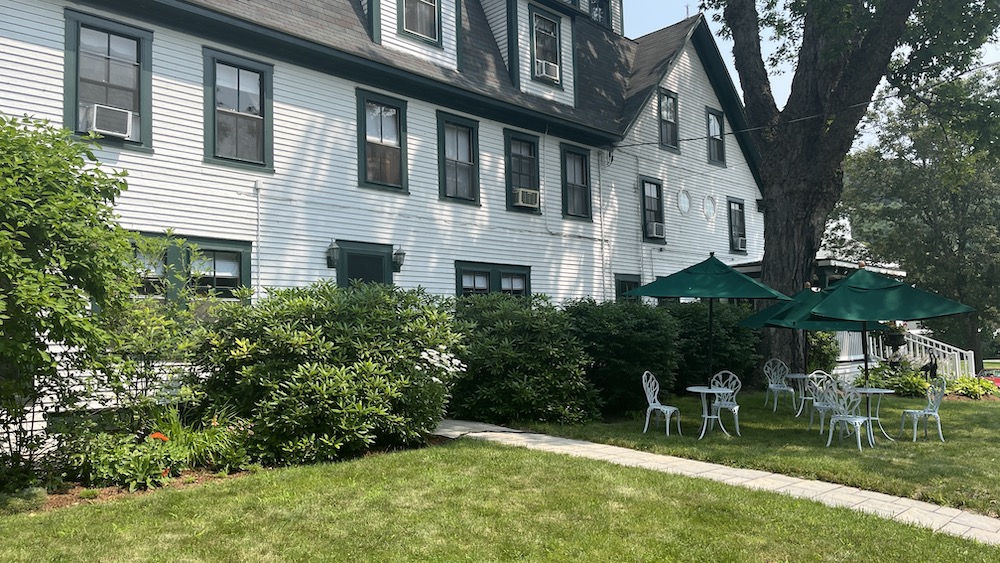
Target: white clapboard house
465,146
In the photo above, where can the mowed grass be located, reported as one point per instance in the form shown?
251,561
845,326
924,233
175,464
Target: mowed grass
991,364
470,501
963,472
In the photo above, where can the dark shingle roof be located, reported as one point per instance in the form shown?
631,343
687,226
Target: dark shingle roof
615,76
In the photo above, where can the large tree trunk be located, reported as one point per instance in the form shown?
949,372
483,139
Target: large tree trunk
842,58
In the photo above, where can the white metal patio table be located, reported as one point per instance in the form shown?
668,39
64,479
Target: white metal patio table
706,413
879,392
799,379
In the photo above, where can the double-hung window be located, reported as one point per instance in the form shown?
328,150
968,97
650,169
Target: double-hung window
209,265
459,147
108,79
382,141
668,120
737,226
237,110
545,46
522,171
624,283
716,137
576,181
420,17
652,209
477,278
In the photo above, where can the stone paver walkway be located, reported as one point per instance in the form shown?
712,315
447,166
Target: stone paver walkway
938,518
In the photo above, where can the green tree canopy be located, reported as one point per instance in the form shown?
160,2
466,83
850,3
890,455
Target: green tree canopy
841,51
928,196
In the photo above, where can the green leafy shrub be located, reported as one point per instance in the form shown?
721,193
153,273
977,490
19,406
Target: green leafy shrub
823,351
972,387
733,348
217,443
325,373
624,339
103,459
523,363
902,377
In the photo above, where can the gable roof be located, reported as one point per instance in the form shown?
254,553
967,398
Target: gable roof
616,76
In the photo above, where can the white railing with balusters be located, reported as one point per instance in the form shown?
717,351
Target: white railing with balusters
952,361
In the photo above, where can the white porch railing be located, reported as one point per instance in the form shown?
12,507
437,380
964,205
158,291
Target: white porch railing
952,361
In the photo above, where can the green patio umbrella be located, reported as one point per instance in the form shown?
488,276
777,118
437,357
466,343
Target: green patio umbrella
797,314
867,298
710,279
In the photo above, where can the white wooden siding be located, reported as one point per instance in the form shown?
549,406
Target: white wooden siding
446,55
496,15
562,93
312,197
690,237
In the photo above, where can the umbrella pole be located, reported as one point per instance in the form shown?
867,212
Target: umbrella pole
864,350
710,338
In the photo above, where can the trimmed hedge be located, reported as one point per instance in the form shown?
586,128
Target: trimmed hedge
625,339
523,363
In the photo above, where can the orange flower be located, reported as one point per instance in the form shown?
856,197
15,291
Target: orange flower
159,436
166,472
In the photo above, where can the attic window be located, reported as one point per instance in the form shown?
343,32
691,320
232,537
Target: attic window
421,18
600,12
546,46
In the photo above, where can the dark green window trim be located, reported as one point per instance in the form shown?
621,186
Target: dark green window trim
177,263
535,75
652,208
736,213
495,276
375,20
144,39
401,14
364,97
509,170
567,152
716,144
363,249
266,71
444,120
626,282
669,135
513,44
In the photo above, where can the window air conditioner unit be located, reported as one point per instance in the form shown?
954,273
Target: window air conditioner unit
655,230
526,198
741,243
109,121
547,69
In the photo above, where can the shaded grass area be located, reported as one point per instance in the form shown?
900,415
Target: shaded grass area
962,472
470,501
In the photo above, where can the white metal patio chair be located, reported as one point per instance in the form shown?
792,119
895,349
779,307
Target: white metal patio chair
935,393
845,412
652,388
817,402
775,371
729,380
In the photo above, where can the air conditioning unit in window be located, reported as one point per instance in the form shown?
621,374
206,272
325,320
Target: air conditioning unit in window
526,198
741,243
655,230
547,69
109,121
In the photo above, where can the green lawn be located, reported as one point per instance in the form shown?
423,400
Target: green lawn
991,364
962,472
470,501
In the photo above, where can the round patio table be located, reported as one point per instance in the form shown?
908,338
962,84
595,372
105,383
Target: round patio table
706,414
874,416
800,385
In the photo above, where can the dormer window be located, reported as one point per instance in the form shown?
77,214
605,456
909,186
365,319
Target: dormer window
546,47
600,12
420,17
